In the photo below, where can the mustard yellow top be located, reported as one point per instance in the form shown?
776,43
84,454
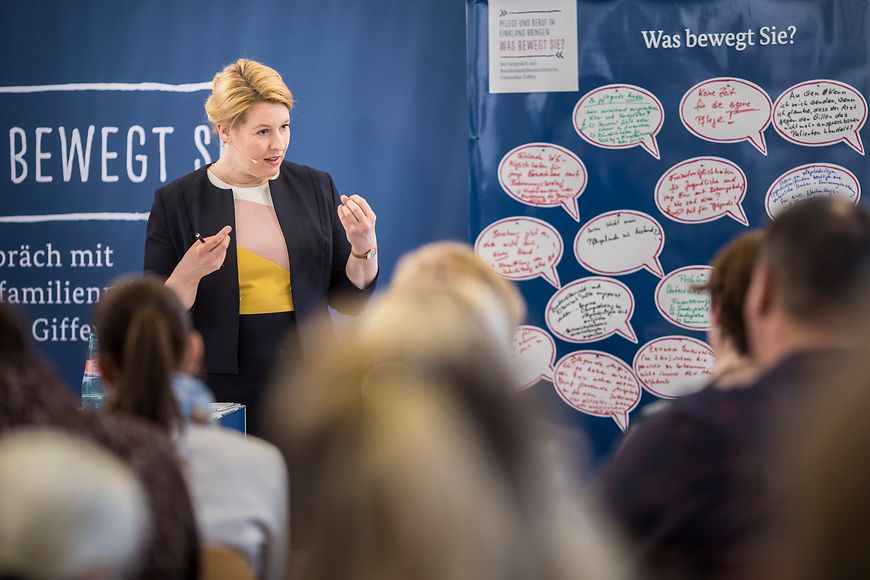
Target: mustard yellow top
264,264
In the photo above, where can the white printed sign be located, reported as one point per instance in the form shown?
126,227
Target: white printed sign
534,354
674,366
521,248
533,46
598,384
812,180
591,309
620,116
620,242
727,110
680,301
821,112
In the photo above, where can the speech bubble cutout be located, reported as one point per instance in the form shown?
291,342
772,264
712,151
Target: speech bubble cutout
598,384
620,116
821,112
620,242
674,366
812,180
680,303
727,110
591,309
543,175
534,354
521,248
702,189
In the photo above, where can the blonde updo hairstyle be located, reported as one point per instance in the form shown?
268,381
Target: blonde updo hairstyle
240,86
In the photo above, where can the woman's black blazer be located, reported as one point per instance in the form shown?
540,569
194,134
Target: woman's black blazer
305,202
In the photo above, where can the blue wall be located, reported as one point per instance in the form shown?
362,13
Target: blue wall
381,104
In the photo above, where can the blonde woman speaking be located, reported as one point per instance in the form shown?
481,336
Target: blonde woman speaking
252,243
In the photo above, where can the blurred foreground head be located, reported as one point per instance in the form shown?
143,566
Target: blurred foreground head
409,478
826,522
414,451
70,511
448,275
807,289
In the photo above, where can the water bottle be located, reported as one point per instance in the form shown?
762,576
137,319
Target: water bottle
93,389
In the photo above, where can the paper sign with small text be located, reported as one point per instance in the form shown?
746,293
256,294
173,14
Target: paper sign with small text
532,46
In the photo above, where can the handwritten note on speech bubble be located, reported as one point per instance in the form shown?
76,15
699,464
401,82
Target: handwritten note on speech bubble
534,354
678,300
727,110
620,242
620,116
674,366
521,248
821,112
591,309
812,180
598,384
543,175
702,189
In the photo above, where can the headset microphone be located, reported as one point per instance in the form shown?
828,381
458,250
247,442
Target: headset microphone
254,161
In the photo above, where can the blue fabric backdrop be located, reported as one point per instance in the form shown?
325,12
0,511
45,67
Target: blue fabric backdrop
831,41
381,104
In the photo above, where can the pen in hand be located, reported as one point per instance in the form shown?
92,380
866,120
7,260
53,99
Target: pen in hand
199,237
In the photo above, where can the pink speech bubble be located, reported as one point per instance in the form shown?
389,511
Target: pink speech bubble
620,116
598,384
534,354
543,175
674,366
591,309
727,110
521,248
812,180
620,242
679,302
702,189
821,112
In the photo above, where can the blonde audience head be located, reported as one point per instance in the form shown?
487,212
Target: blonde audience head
445,303
70,511
417,455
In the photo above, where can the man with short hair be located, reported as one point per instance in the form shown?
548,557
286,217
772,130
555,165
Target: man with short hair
694,484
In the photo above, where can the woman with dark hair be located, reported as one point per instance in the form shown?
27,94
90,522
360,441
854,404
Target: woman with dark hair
148,353
31,395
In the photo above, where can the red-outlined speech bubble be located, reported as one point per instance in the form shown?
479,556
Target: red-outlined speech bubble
679,301
702,189
674,366
821,112
598,384
620,242
620,116
591,309
534,354
543,175
727,110
811,180
521,248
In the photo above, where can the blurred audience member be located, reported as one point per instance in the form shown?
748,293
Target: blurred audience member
728,285
238,485
31,395
70,511
694,488
824,525
418,458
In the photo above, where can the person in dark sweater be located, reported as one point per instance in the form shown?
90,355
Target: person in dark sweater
32,396
694,485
